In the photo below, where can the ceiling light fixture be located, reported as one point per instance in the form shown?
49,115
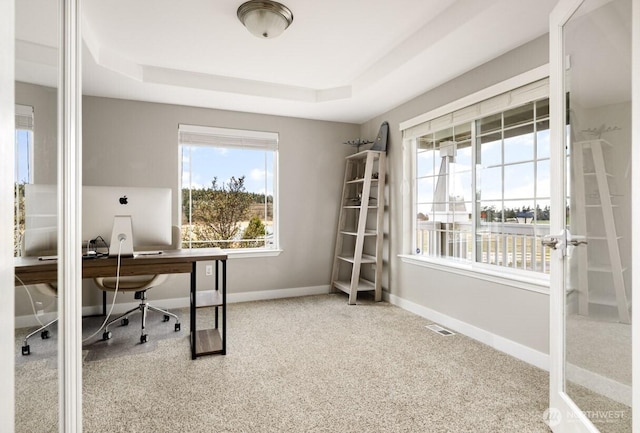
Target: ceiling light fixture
265,19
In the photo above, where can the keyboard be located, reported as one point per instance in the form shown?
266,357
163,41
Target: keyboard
95,256
147,253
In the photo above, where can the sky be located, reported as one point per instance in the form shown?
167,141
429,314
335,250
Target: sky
23,138
223,163
519,177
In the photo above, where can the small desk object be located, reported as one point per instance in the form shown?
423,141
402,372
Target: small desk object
31,270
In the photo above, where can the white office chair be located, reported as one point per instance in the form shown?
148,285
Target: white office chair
40,242
139,285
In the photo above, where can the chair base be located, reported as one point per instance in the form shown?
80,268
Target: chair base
143,308
44,334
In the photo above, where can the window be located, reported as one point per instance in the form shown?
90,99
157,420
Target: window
229,188
481,183
23,167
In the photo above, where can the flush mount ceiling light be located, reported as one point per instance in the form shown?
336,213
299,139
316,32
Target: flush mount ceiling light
265,19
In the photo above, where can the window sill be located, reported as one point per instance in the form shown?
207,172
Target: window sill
520,279
248,254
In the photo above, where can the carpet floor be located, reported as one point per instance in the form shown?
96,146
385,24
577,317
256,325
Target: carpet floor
125,340
308,364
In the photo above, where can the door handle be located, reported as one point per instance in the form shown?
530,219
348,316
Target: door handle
575,240
550,242
558,242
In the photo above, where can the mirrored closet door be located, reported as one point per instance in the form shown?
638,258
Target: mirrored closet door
35,225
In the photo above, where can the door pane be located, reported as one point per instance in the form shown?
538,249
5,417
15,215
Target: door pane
36,355
598,331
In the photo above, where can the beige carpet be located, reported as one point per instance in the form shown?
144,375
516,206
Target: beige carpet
607,415
311,364
125,341
600,346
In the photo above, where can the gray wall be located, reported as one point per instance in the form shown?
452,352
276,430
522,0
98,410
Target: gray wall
510,312
131,143
44,102
135,143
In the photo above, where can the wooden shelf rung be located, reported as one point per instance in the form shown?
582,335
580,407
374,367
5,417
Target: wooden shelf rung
363,285
208,298
208,341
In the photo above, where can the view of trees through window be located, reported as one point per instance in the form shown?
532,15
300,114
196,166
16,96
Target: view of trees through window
23,147
227,197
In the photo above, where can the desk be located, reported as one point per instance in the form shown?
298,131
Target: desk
30,270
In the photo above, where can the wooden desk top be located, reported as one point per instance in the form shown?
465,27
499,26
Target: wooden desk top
31,270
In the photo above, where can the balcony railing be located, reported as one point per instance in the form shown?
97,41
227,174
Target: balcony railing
513,245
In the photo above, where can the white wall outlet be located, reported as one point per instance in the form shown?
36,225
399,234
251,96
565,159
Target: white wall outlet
39,308
208,270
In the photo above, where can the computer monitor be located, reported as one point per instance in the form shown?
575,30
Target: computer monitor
149,210
40,220
40,206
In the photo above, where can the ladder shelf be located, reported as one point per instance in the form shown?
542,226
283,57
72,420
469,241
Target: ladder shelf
592,204
357,263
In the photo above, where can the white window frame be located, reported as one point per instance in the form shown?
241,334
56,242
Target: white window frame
209,136
455,113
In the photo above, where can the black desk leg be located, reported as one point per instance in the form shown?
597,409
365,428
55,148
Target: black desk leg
224,307
192,311
217,288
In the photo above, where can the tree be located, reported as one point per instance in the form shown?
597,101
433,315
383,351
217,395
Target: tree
254,233
18,217
220,209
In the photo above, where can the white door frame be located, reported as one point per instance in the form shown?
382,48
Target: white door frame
69,217
561,407
635,210
69,244
7,138
564,415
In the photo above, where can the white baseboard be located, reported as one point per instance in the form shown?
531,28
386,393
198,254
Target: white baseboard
602,385
29,320
510,347
277,294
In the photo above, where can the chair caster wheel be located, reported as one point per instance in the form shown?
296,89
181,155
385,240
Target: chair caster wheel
44,334
166,318
177,327
144,338
125,321
26,350
106,335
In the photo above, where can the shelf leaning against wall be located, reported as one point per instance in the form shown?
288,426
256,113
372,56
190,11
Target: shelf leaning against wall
357,262
601,279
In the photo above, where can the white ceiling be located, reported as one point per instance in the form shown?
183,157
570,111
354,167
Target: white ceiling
342,60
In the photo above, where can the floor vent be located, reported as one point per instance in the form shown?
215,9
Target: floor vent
440,330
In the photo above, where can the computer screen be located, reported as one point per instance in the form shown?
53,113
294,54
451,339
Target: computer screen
40,206
149,208
40,220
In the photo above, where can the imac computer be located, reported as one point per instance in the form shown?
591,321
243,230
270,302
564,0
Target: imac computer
142,216
40,220
126,218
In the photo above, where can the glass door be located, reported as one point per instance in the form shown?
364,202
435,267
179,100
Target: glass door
35,226
591,293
